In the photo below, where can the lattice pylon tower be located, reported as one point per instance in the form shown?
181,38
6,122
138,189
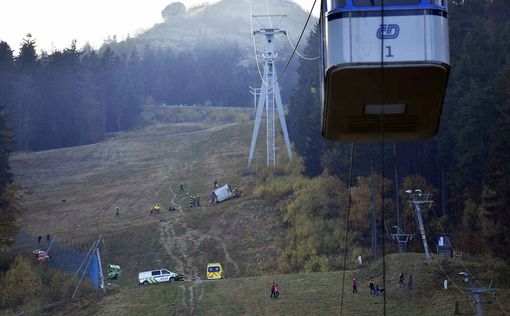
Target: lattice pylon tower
269,100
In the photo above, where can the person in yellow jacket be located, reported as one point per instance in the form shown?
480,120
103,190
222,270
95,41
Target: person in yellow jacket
155,208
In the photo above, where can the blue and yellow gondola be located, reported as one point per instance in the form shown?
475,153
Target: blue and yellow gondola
384,59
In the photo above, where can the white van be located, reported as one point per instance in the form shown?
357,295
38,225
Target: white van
158,276
223,193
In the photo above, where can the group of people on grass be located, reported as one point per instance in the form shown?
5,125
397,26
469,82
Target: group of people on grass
275,290
376,290
40,238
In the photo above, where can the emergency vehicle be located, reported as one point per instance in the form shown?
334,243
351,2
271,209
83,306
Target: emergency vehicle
214,271
158,276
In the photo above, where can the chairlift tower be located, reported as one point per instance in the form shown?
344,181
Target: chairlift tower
399,236
477,292
417,199
270,98
402,238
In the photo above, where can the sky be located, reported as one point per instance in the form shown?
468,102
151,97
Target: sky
55,23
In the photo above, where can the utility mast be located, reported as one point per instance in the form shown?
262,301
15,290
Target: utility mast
417,199
270,98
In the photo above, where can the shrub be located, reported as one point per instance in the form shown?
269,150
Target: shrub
21,283
61,285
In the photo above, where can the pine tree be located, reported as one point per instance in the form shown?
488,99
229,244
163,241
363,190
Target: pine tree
304,116
9,209
496,191
27,66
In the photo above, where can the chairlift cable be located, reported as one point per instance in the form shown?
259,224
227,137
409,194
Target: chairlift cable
450,279
500,306
462,262
347,227
460,259
452,282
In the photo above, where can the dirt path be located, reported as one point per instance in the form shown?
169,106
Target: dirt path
229,259
179,247
178,207
183,298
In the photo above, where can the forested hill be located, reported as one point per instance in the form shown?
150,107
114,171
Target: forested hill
468,161
217,24
200,56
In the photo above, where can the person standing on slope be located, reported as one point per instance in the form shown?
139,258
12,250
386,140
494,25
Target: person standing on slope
354,286
401,279
273,286
371,286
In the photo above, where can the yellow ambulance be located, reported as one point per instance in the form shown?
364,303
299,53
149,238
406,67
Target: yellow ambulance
214,271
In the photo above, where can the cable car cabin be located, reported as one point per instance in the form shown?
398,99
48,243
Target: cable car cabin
383,67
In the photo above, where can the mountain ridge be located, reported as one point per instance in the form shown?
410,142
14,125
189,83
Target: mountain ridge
220,23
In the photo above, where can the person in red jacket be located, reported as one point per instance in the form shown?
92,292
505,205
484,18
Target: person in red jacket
273,293
354,286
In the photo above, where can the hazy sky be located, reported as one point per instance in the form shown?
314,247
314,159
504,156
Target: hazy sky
55,23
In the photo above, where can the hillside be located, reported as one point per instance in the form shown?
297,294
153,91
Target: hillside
301,294
227,21
72,193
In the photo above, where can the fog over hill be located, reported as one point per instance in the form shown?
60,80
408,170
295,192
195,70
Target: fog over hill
214,41
212,25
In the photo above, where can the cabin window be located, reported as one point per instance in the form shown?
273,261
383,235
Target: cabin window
154,273
441,3
378,3
214,269
166,272
333,4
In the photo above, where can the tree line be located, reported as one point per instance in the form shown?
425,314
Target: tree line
76,96
468,160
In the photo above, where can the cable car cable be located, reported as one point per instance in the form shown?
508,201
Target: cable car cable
269,15
254,44
347,227
299,41
293,51
381,126
297,52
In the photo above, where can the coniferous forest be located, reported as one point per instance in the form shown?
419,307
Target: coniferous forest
468,160
74,96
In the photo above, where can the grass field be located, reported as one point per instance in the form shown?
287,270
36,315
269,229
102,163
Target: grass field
304,294
72,192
